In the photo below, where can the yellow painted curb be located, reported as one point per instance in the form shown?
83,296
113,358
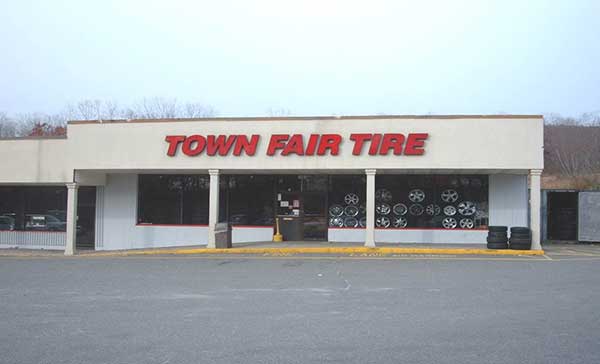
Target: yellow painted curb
323,250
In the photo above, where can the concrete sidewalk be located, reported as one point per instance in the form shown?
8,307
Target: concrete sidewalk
298,248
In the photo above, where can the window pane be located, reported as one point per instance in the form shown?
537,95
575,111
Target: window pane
33,208
431,201
314,183
347,201
173,199
251,200
288,183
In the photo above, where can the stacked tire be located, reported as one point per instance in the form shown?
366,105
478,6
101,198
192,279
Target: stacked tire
520,238
497,237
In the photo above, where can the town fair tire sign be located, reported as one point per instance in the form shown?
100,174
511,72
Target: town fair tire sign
296,144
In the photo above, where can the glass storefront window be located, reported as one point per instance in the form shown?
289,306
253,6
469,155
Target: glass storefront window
173,199
251,199
347,201
431,201
33,208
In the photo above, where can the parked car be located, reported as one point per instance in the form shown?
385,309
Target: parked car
41,222
7,223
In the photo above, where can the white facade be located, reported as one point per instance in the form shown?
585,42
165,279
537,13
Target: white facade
110,155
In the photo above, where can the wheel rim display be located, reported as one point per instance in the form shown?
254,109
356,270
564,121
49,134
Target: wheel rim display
449,223
400,209
382,208
336,210
383,195
416,209
363,222
351,199
351,210
450,210
433,210
466,208
350,222
467,223
336,222
400,222
416,195
449,196
382,221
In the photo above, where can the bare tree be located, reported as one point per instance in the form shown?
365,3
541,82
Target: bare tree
278,112
42,124
197,110
111,111
39,124
93,110
163,108
585,119
8,127
572,150
153,108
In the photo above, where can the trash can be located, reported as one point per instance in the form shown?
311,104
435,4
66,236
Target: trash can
223,235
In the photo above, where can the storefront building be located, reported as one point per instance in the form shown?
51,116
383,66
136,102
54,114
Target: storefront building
132,184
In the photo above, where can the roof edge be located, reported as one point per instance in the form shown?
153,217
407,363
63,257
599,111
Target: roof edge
43,137
276,118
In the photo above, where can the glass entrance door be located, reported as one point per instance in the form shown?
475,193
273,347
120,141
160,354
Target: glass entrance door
314,215
302,206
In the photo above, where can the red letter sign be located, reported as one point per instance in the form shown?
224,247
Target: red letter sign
276,143
331,142
391,141
359,140
174,141
242,143
415,144
190,149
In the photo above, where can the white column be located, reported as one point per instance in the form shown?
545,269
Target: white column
370,230
213,206
535,196
72,189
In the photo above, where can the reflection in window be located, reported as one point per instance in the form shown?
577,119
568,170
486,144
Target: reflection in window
251,199
173,199
33,208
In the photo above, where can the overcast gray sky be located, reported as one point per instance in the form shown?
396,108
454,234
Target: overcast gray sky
310,56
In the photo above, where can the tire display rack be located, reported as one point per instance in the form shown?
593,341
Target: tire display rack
419,201
349,213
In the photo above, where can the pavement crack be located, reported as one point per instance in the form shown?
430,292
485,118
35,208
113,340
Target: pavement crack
339,273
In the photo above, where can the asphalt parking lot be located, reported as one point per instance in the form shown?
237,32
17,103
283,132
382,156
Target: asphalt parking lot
409,309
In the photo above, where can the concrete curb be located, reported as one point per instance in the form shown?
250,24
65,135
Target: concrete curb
322,250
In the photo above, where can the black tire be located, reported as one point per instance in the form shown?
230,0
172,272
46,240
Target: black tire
496,241
519,230
497,229
520,236
495,235
520,246
497,246
519,241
